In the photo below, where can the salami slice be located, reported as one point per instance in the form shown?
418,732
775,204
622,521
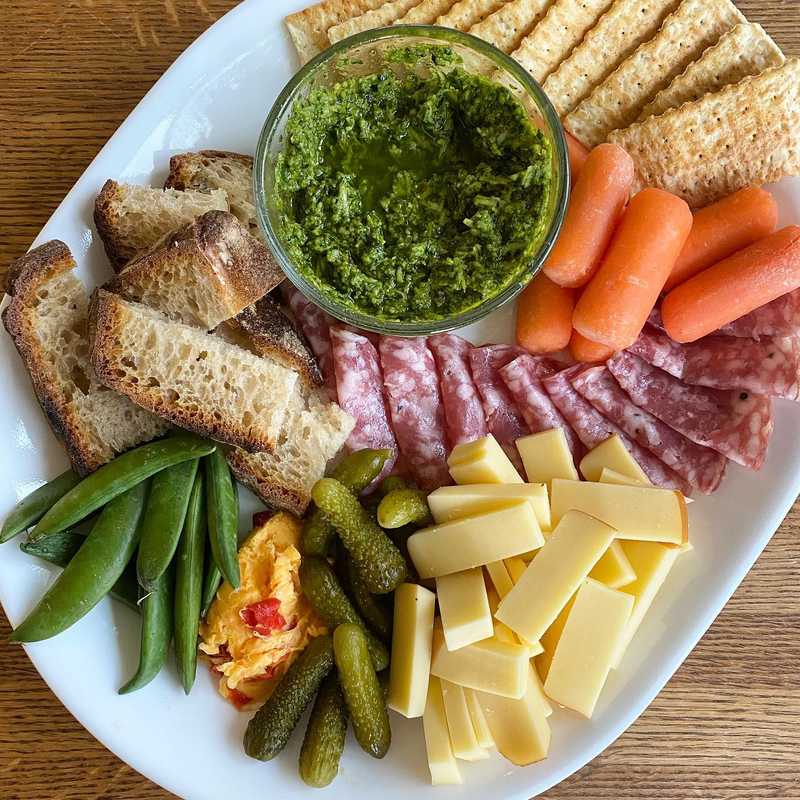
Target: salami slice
412,388
503,419
701,467
767,366
523,377
359,383
593,428
781,317
462,404
737,424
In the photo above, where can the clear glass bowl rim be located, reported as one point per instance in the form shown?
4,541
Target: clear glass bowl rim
561,180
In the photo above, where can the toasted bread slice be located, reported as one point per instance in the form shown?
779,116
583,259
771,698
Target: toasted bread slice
131,219
204,273
47,321
194,379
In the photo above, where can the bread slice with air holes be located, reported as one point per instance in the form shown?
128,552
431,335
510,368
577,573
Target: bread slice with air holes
202,274
131,219
47,319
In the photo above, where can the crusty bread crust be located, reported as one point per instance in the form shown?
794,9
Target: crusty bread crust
104,215
185,169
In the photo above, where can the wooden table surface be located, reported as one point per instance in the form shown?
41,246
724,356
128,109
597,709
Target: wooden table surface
726,727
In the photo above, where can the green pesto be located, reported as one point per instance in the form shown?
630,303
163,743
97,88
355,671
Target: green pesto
412,197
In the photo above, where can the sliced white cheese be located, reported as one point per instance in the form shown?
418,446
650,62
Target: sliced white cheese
613,569
612,476
516,566
456,502
464,608
459,723
482,732
538,691
546,455
501,580
441,760
482,461
550,639
611,454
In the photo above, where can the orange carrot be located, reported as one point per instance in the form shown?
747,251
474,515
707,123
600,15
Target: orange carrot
615,305
583,349
719,230
734,287
577,155
544,316
594,208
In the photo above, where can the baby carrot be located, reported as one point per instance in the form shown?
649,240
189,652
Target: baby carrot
577,155
595,204
544,316
583,349
734,287
614,307
724,227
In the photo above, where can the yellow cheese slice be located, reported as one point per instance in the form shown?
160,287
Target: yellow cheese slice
583,656
611,454
612,476
613,569
441,760
519,727
482,461
550,639
538,691
652,563
412,635
459,723
482,732
560,567
515,566
501,580
456,502
546,456
475,541
490,666
637,512
464,608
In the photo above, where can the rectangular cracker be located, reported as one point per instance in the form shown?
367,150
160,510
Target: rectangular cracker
466,13
375,18
626,25
507,26
748,133
558,34
695,26
426,12
308,28
744,51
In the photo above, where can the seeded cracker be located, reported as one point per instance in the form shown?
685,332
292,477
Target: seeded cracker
626,25
376,18
507,26
747,133
466,13
744,51
684,36
426,12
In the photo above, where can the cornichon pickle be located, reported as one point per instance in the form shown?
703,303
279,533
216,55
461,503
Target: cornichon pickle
324,740
372,607
404,507
362,690
356,472
391,483
377,560
331,603
270,728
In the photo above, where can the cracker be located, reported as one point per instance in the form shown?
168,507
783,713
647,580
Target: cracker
745,134
426,12
507,26
466,13
685,35
376,18
626,25
558,34
746,50
309,28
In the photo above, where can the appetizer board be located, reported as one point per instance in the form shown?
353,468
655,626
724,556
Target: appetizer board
216,95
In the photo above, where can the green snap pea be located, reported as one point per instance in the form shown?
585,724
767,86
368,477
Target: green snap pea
223,516
34,506
404,507
119,476
323,743
189,584
372,607
269,730
211,582
163,520
362,690
92,571
377,560
156,632
356,472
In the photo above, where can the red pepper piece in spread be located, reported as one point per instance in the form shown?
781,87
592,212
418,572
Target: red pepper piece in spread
263,617
239,699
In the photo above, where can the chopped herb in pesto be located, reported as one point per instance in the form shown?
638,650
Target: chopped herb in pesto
412,198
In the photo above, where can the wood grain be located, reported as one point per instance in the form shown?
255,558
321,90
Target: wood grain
727,727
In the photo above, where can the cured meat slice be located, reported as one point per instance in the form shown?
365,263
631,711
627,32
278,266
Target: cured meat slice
701,467
781,317
462,404
359,384
503,419
737,424
523,377
412,388
768,366
593,428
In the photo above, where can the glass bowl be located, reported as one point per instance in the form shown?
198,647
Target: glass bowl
364,54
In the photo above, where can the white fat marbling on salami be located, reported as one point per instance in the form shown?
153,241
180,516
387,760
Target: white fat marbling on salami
412,389
593,428
781,317
700,466
737,424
